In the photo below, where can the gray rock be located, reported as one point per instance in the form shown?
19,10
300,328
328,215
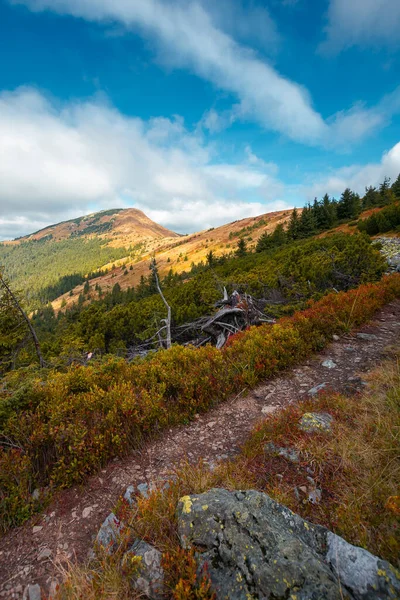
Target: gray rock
369,337
32,592
316,422
289,453
364,574
253,547
149,578
144,490
329,364
109,534
44,554
318,388
129,496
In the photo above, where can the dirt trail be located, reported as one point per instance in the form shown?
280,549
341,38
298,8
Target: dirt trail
68,527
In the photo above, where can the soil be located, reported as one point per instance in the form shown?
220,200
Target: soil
29,554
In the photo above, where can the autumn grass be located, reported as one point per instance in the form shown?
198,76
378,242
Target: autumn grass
357,467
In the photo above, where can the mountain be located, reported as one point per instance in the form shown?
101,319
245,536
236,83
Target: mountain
53,260
123,225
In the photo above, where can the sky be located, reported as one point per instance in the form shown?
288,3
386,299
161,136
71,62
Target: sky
196,112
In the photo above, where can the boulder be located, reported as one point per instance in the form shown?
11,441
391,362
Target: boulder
316,422
149,577
253,547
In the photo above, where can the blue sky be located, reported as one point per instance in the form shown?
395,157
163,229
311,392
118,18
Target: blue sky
198,113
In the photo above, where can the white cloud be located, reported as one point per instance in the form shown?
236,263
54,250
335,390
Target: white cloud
356,177
58,162
188,37
195,35
361,23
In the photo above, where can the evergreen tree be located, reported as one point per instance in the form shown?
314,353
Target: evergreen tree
327,213
210,258
371,198
241,249
86,287
349,206
307,224
293,227
396,188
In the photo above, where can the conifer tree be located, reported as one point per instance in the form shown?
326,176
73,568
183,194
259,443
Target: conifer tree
293,227
396,188
241,249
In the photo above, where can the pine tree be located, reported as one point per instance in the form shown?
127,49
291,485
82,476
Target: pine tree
293,227
396,188
241,249
307,225
349,206
371,198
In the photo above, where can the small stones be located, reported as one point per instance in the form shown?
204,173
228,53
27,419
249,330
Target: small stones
316,422
87,512
335,338
290,454
368,337
36,529
317,389
32,592
149,578
268,410
36,494
109,534
329,364
44,554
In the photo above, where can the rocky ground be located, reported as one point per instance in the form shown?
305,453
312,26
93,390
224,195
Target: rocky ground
30,554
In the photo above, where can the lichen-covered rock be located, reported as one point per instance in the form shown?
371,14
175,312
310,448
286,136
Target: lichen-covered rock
109,534
149,577
253,547
316,422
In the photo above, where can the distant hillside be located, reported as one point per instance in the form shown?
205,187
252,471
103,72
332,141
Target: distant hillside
177,254
52,261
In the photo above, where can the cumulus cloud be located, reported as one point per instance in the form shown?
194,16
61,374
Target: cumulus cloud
59,161
356,177
361,23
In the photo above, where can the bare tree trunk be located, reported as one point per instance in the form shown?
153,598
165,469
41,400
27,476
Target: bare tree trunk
167,321
26,318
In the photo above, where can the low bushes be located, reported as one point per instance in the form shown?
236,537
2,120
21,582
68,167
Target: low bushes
77,421
356,468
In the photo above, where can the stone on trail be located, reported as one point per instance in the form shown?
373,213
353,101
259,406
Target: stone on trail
316,422
318,388
149,577
329,364
32,592
253,547
369,337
